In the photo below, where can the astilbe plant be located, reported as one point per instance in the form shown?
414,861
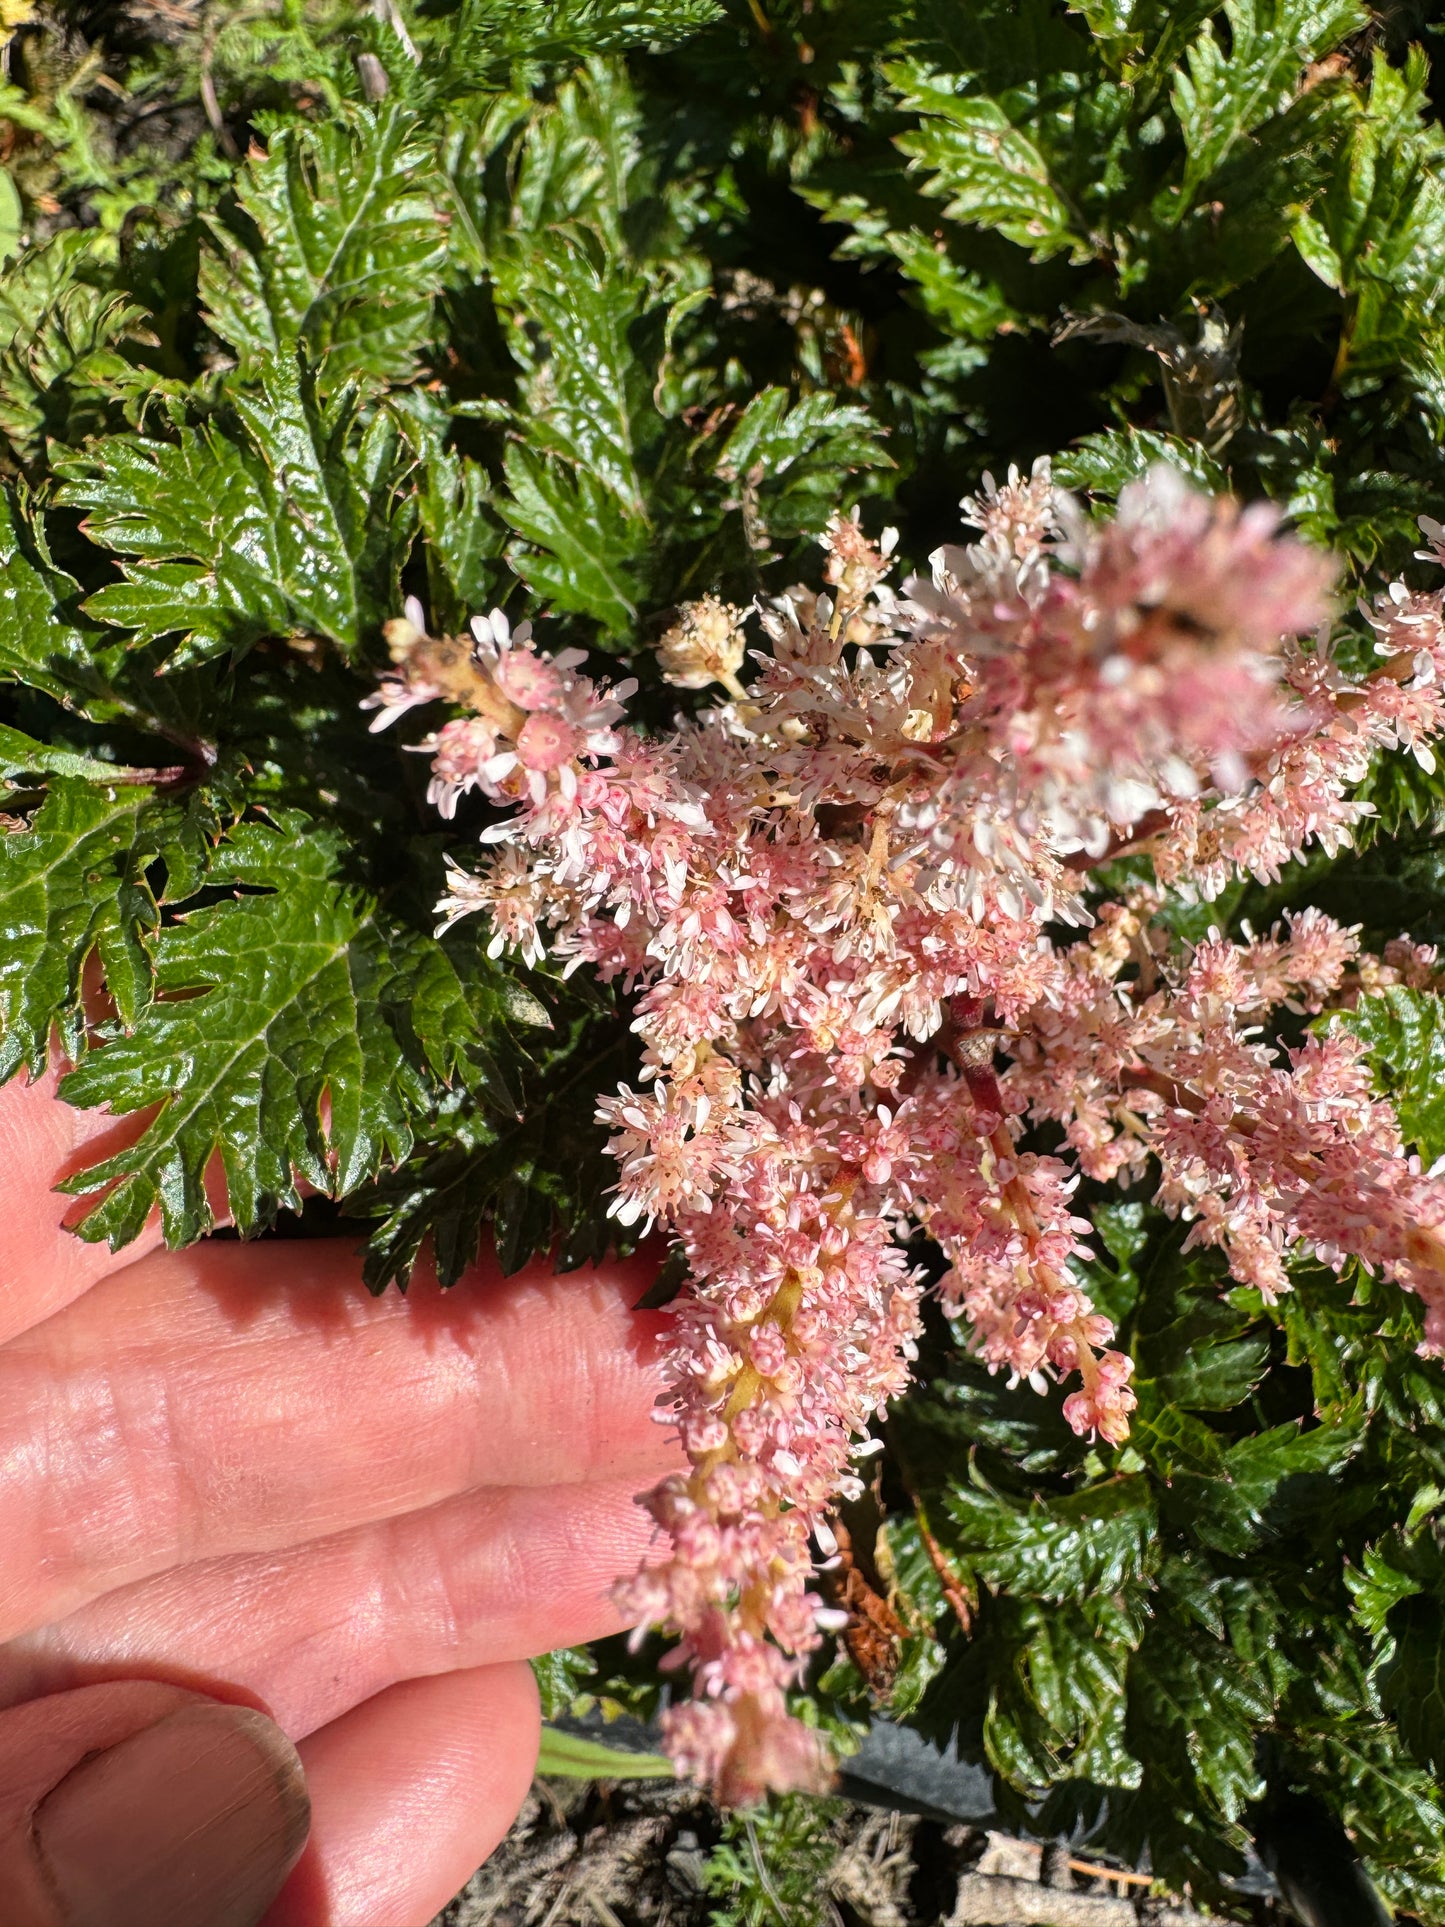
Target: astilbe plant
849,902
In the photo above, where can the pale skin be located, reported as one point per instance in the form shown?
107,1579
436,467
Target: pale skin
229,1471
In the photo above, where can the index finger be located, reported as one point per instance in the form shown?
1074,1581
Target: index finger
43,1267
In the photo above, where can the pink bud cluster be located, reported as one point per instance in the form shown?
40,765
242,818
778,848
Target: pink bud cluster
833,897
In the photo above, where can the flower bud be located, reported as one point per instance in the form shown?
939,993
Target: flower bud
705,644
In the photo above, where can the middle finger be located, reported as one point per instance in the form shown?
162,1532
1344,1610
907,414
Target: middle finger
193,1407
315,1630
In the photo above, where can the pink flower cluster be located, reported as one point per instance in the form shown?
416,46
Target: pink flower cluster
832,896
534,726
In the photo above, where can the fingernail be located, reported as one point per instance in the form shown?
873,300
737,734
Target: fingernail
193,1822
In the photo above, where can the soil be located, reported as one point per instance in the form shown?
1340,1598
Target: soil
631,1854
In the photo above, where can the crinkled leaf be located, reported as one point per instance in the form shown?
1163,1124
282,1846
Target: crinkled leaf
986,170
1412,1681
484,37
346,250
288,1040
935,1428
1236,1497
1403,1032
464,538
1195,1346
42,641
591,395
72,883
536,1178
581,549
1107,462
293,527
1088,1542
787,460
1376,1588
1223,92
62,369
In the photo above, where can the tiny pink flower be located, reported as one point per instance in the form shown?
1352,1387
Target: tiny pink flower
545,742
527,679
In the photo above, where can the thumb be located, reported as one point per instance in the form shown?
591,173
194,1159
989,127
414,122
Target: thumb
133,1804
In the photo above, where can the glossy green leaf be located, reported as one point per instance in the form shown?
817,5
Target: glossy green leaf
288,1043
1403,1032
292,527
343,253
986,170
1412,1681
1088,1542
1226,89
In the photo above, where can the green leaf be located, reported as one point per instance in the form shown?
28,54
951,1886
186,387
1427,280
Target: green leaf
21,755
560,1677
966,303
42,643
1234,1498
935,1428
1193,1344
1108,461
1383,205
12,218
286,1041
1221,97
1193,1714
62,340
1088,1542
1317,251
481,39
464,538
1286,1478
293,527
1057,1702
71,884
539,1177
788,460
1403,1032
346,254
581,549
569,1756
587,384
1377,1588
986,170
591,341
1412,1680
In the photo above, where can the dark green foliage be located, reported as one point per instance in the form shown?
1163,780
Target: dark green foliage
288,525
1242,1596
538,1177
298,1041
336,247
599,307
1405,1034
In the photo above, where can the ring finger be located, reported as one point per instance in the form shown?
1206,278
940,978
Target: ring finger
312,1631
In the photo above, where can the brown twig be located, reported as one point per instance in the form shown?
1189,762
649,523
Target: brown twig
224,139
953,1589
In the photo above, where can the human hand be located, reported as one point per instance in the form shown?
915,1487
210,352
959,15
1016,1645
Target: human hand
230,1473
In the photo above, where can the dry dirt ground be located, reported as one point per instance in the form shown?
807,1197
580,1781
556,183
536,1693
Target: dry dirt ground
632,1855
